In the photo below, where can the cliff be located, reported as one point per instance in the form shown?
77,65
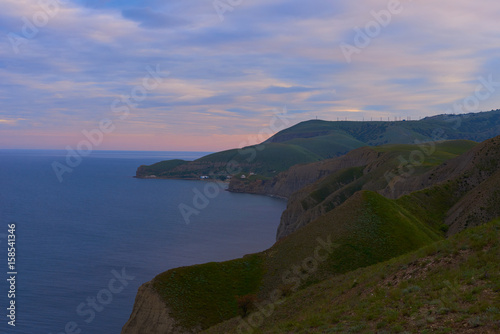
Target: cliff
151,315
299,176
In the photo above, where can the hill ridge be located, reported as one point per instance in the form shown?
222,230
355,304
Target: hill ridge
316,140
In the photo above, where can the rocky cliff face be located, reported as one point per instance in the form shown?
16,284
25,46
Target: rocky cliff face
362,169
479,180
331,181
295,184
150,315
299,176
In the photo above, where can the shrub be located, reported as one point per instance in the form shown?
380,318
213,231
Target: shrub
246,303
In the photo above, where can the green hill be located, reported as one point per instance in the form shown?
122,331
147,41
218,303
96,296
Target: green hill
273,158
474,126
316,140
451,286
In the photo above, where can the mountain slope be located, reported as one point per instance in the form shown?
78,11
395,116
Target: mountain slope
461,187
325,185
451,286
474,126
296,177
464,190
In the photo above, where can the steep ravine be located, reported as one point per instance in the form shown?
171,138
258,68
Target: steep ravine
475,174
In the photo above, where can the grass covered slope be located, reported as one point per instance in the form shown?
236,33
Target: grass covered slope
474,126
316,140
461,193
159,168
332,190
445,189
367,229
451,286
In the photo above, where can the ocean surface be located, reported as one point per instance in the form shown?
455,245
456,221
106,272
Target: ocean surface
85,245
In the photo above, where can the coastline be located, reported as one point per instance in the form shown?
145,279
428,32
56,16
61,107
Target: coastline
154,177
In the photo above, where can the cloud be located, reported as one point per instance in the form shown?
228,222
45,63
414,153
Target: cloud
286,90
10,121
151,19
227,77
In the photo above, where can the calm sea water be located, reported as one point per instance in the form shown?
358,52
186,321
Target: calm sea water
75,237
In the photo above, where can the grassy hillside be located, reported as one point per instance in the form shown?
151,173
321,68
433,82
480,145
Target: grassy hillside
451,286
316,140
328,146
463,192
159,168
447,190
332,190
367,229
474,126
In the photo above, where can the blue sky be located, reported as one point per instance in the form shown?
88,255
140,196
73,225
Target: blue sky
224,75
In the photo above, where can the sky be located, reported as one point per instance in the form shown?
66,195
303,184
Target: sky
207,75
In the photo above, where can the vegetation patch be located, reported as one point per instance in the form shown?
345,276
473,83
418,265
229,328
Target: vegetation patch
203,295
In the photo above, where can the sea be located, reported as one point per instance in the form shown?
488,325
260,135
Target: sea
83,246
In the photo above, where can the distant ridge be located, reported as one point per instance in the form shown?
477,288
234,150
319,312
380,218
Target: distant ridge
316,140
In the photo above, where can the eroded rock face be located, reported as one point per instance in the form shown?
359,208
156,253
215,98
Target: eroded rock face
150,315
295,184
286,183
